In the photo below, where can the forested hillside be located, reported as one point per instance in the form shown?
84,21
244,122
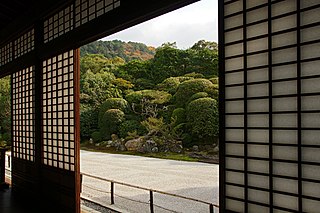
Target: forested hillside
161,104
125,50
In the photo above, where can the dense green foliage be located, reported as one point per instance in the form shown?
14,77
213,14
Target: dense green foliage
112,49
202,118
171,96
5,112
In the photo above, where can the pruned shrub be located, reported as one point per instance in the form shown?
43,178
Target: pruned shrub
96,137
203,120
112,103
197,96
171,84
111,120
179,116
131,126
153,96
191,87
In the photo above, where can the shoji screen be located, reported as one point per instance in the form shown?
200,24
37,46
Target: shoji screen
271,53
60,130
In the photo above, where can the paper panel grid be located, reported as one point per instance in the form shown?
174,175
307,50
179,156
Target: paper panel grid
23,114
271,110
24,44
6,54
58,111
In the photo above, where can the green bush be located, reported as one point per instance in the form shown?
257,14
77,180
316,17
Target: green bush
112,103
130,126
171,84
153,96
179,116
111,120
191,87
96,137
88,122
203,120
197,96
142,83
214,80
194,75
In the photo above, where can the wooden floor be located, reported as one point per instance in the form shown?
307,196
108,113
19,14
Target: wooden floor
8,204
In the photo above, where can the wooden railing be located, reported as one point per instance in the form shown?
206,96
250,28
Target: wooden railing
211,206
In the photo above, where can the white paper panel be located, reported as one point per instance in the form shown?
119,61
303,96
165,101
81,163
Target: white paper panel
284,87
310,137
258,196
284,23
234,106
234,92
258,151
310,120
308,3
310,34
285,201
234,177
258,105
310,16
311,172
233,7
234,149
310,103
234,163
310,68
234,78
257,75
284,72
258,181
258,120
257,30
234,64
234,205
285,185
284,104
257,15
285,153
233,35
258,208
258,135
234,121
282,7
258,166
310,51
257,60
258,90
233,21
232,50
257,45
282,56
311,155
311,206
284,120
311,189
254,3
287,169
235,191
310,85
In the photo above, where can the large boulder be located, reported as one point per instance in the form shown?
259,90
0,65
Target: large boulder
134,144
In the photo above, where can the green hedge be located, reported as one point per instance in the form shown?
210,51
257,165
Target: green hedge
203,120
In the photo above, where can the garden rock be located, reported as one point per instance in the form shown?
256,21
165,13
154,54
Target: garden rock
134,144
195,148
155,150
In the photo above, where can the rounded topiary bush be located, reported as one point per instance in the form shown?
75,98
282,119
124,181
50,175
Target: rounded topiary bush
191,87
131,126
111,120
112,103
203,120
197,96
96,137
179,116
171,84
153,96
214,80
